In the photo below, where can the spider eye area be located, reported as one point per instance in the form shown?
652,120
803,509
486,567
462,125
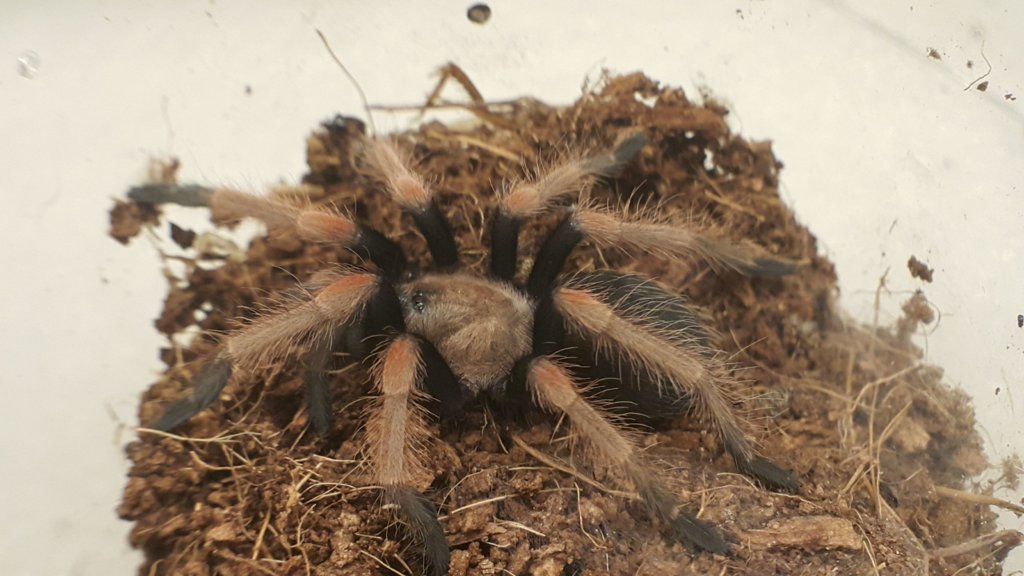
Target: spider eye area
418,300
422,301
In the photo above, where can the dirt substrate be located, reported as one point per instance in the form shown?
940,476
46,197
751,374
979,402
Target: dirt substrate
882,447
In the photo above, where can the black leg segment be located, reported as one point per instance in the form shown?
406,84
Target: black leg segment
552,256
504,245
381,320
318,390
383,313
611,164
163,193
517,393
695,533
441,383
435,228
769,268
419,514
548,328
548,338
769,475
377,248
208,385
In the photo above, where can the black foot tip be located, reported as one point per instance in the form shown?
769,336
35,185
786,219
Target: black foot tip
770,268
163,193
771,476
176,415
700,536
628,149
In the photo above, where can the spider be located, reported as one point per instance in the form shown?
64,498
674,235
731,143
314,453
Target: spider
440,336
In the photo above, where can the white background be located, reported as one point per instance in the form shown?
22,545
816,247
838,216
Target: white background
886,156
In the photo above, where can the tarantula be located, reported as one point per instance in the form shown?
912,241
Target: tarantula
441,336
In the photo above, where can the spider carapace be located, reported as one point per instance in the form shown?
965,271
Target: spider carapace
438,337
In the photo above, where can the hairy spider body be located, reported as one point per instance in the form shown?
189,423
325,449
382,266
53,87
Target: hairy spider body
479,326
572,345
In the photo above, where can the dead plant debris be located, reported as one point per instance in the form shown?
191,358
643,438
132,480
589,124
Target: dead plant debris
869,429
919,269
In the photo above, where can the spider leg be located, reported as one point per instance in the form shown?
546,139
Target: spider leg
396,420
382,320
164,193
208,385
675,242
442,385
271,337
416,198
548,338
676,365
318,391
532,197
665,240
569,178
552,256
395,433
611,446
311,223
640,298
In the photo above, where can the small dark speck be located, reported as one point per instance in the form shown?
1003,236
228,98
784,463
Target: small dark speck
934,54
981,87
248,90
574,568
1020,320
970,64
1009,96
182,237
889,494
997,390
479,13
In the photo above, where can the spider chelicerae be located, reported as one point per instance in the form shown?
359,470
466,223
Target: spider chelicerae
598,348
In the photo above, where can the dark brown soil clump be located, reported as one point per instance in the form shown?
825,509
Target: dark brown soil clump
920,270
871,432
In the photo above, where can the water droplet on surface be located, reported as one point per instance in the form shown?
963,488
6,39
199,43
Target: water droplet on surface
28,64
